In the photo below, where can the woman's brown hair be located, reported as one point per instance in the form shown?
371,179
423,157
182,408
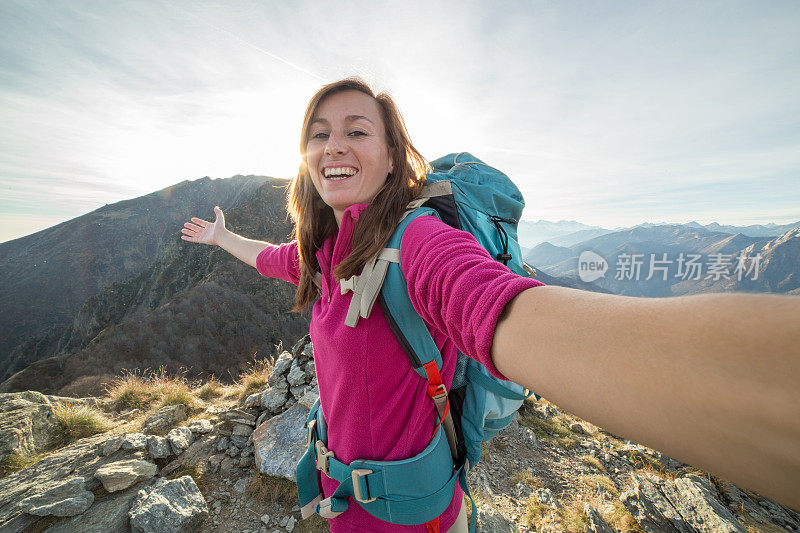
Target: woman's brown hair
314,220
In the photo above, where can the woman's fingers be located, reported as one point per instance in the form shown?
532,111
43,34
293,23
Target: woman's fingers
194,227
199,221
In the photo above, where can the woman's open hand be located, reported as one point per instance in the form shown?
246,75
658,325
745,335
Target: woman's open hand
203,231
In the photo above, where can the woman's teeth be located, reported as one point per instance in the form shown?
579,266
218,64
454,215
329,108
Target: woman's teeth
339,174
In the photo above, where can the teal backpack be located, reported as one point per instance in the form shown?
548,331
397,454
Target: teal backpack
469,195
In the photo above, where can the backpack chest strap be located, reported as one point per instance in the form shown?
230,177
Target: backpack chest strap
367,285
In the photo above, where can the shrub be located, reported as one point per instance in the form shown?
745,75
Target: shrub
527,477
79,421
593,462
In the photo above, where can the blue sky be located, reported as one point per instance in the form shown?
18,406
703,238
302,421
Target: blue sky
609,113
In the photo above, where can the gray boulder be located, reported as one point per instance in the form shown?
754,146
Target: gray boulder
596,522
67,498
180,439
282,366
685,505
309,398
296,375
300,345
134,441
492,521
27,423
165,418
168,506
112,445
201,426
274,399
122,474
158,447
280,442
107,515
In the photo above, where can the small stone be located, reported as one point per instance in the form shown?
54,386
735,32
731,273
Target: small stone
158,447
134,441
253,400
222,444
112,445
202,426
241,485
233,451
243,430
265,519
180,439
290,524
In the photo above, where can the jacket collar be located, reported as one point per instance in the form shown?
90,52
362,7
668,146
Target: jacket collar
339,245
353,213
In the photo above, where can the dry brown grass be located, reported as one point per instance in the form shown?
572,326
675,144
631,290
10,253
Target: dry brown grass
78,421
253,378
16,462
213,388
146,389
526,476
593,461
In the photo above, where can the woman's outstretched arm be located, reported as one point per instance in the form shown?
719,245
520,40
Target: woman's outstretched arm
712,380
203,231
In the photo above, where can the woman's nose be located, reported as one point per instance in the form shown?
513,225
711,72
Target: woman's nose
333,145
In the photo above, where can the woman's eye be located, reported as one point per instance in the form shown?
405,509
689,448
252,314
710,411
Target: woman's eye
357,131
319,135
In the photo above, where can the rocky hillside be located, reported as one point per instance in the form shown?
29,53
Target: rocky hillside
195,307
48,275
157,454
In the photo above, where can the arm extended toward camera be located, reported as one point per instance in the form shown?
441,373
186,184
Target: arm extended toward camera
712,380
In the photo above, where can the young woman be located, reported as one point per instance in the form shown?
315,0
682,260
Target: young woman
711,379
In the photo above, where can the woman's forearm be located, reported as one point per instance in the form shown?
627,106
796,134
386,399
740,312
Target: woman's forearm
245,249
712,379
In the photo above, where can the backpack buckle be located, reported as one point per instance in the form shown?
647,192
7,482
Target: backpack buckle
357,474
324,455
310,428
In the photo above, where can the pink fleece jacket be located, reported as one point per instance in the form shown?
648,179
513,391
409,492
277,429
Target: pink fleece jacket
375,403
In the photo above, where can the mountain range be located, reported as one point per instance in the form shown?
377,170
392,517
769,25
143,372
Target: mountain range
568,233
665,255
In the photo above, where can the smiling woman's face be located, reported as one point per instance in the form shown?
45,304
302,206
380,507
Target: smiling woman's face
347,155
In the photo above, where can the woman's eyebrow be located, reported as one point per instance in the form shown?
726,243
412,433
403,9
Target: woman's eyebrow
348,118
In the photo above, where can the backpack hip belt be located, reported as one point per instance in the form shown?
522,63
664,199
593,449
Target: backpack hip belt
409,491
